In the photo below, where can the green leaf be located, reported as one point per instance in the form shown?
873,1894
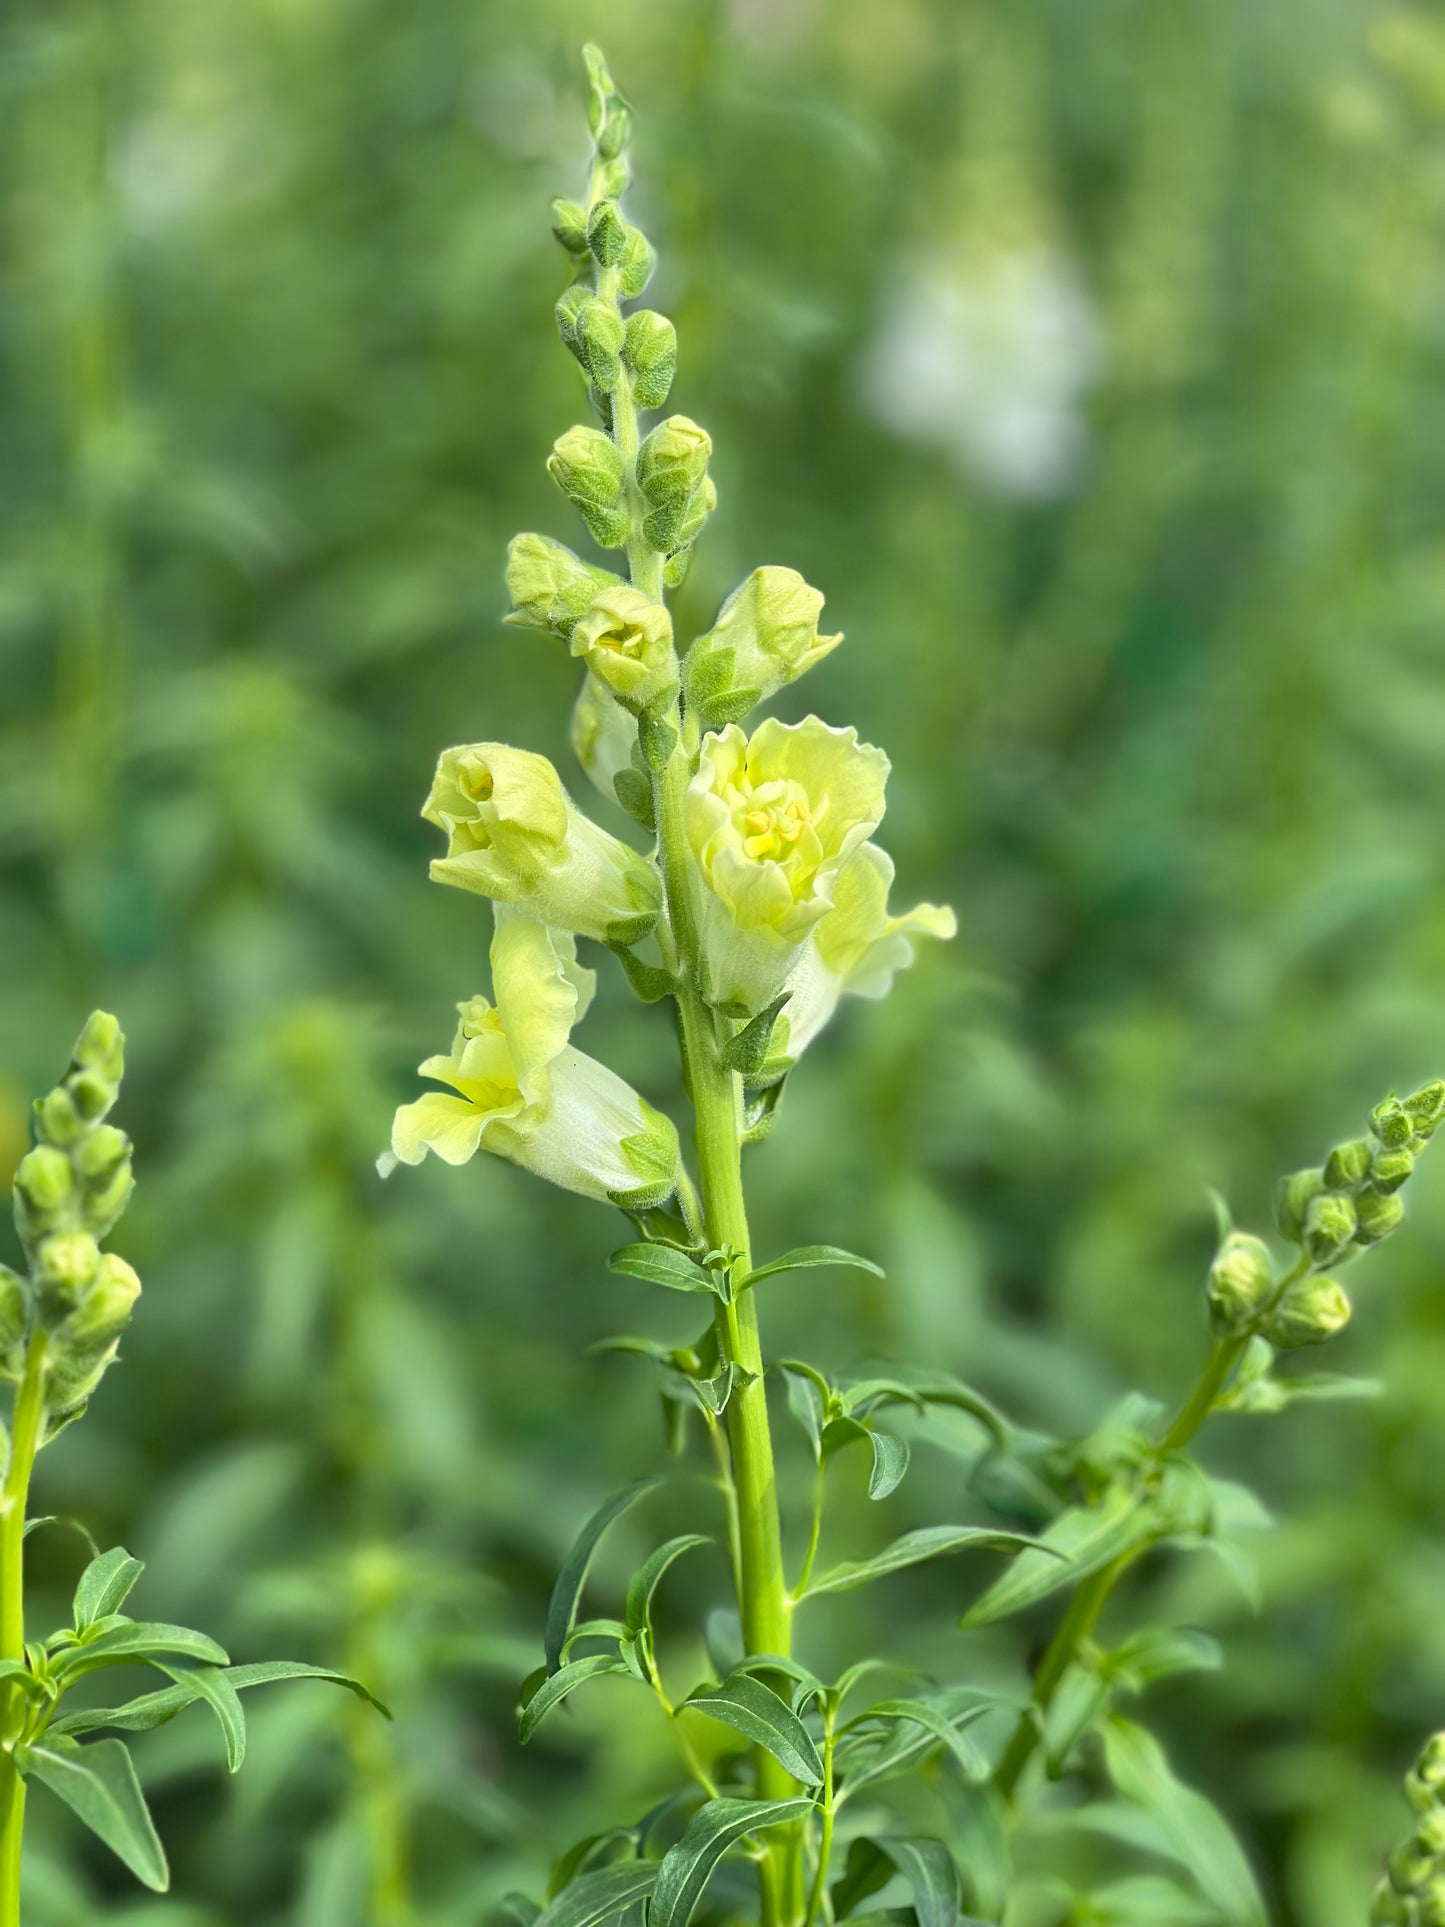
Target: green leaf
1077,1543
928,1542
807,1403
929,1869
596,1897
105,1586
645,1580
211,1685
806,1685
758,1713
747,1052
71,1525
556,1686
806,1258
662,1265
98,1784
1161,1651
890,1462
1197,1833
519,1910
1077,1707
687,1867
866,1870
866,1759
155,1709
943,1729
648,982
265,1672
136,1639
562,1607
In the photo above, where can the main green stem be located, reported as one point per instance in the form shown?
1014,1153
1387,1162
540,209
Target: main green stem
1093,1595
27,1419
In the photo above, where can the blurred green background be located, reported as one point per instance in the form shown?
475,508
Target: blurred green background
1089,358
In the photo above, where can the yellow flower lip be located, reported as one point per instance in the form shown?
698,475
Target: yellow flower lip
474,777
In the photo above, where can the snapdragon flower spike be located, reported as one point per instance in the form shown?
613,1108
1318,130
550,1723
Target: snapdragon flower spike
521,1091
773,820
514,834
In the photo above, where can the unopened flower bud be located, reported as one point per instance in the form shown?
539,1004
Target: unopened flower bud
1296,1194
766,635
592,328
626,641
1348,1165
1389,1909
587,466
613,177
649,351
100,1151
607,232
1329,1227
1425,1784
101,1047
601,88
1430,1902
1426,1108
56,1118
1392,1123
1311,1310
616,131
14,1308
45,1181
603,735
105,1310
671,465
1389,1169
634,270
1240,1282
1379,1213
550,587
569,224
103,1203
66,1264
1409,1867
1430,1833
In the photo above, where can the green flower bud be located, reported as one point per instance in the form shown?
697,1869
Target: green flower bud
66,1264
14,1308
91,1094
601,88
592,329
603,736
626,641
1430,1902
101,1047
607,232
675,568
649,351
100,1151
1389,1169
671,466
616,132
1241,1280
700,505
1389,1909
587,466
1426,1108
104,1203
1329,1227
569,224
56,1119
1379,1213
1392,1123
613,178
1311,1310
105,1311
1296,1194
44,1183
1430,1833
1409,1867
549,586
634,270
1425,1784
1348,1165
766,635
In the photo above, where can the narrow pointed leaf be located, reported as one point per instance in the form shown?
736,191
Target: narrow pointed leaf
748,1051
137,1639
755,1711
98,1784
806,1403
105,1586
1076,1544
863,1761
890,1462
662,1265
596,1897
806,1258
947,1731
928,1542
686,1868
211,1684
556,1686
646,1579
929,1869
562,1608
150,1710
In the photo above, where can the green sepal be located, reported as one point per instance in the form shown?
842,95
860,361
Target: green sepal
648,981
731,706
633,791
657,738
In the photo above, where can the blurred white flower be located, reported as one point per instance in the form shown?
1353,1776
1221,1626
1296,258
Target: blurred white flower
991,359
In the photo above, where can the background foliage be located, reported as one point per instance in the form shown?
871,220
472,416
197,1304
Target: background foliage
1089,359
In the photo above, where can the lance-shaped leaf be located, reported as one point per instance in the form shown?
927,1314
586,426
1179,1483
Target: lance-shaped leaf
664,1265
596,1897
865,1758
211,1685
648,1576
134,1639
104,1586
687,1867
562,1607
748,1051
929,1869
1077,1543
556,1686
758,1713
928,1542
98,1784
945,1729
1196,1832
807,1258
150,1710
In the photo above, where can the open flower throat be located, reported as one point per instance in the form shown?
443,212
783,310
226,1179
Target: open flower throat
482,1070
777,822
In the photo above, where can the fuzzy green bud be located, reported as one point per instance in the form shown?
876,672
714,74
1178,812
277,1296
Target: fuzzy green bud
766,635
607,232
1426,1108
1296,1193
1311,1310
1329,1227
14,1308
592,329
550,587
569,224
671,467
1241,1280
1348,1165
1379,1213
1389,1169
1409,1867
66,1264
626,641
105,1202
587,466
1430,1833
1389,1909
1425,1783
649,351
1392,1124
57,1121
44,1185
105,1310
1430,1902
100,1047
100,1151
634,270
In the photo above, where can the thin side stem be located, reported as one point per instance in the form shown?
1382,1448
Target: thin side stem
819,1893
26,1422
